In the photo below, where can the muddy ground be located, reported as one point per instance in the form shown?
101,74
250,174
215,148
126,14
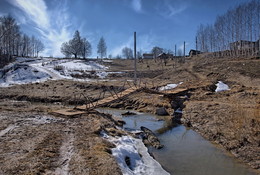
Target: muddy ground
35,141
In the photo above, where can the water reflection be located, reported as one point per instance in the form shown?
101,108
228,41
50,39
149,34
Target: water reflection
186,152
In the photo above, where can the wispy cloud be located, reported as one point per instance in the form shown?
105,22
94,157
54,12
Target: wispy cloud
169,8
137,5
53,25
36,10
175,10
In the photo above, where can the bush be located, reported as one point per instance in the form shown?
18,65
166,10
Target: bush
59,68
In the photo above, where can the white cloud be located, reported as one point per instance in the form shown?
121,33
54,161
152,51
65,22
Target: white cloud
181,47
36,10
118,49
137,5
53,25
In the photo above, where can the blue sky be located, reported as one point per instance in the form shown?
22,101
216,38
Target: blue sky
162,23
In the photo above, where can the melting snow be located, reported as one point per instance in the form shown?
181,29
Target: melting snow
107,61
22,74
6,130
140,160
221,87
102,74
31,70
42,119
82,65
169,86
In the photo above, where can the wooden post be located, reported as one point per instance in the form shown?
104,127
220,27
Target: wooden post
196,46
259,46
135,77
175,50
184,49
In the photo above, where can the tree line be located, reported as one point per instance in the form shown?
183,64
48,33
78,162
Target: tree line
15,43
156,51
80,47
241,23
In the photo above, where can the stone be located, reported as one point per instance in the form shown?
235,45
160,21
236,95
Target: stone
161,111
150,138
129,113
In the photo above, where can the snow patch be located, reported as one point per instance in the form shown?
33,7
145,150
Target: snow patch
6,130
42,119
22,74
178,111
102,74
140,160
221,87
80,65
107,61
169,86
32,70
66,153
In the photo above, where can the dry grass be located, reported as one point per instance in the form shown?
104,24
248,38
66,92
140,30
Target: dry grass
245,123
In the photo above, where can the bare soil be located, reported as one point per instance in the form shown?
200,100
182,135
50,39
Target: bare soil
33,141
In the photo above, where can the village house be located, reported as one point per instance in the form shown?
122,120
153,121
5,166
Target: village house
244,45
165,56
148,56
194,52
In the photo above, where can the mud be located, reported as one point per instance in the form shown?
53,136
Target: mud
39,143
32,141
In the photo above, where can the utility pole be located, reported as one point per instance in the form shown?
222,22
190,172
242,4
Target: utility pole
175,50
135,81
184,49
196,46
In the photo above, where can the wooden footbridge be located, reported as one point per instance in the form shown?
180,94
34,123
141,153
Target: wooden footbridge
79,110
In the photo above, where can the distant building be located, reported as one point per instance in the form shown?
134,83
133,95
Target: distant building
165,56
244,45
194,52
148,56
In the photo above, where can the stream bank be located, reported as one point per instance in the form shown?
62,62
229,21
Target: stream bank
184,151
220,117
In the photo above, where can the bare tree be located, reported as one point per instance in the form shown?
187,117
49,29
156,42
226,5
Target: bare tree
77,47
139,54
39,47
127,52
102,48
86,48
156,51
239,26
66,49
13,42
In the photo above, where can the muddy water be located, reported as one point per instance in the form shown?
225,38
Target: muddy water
185,152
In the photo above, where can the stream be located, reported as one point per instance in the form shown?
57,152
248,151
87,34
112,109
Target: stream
185,152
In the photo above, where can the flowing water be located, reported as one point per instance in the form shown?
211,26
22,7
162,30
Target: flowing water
185,152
